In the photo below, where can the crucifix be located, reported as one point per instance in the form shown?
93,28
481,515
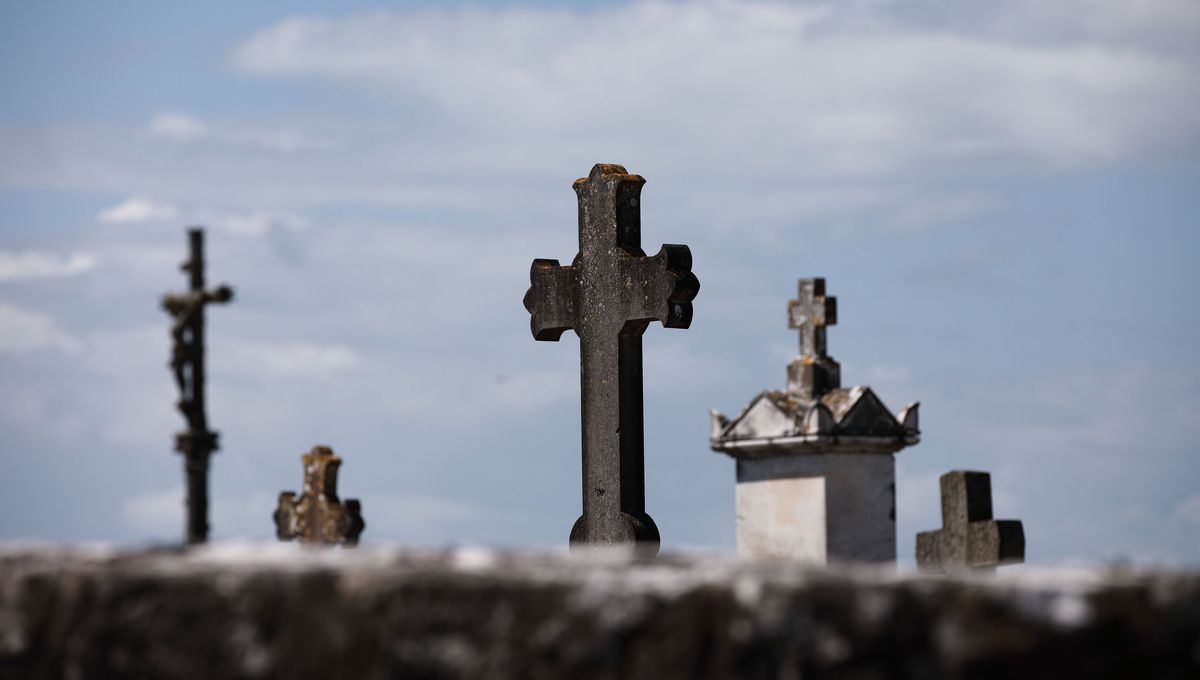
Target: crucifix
813,373
318,516
608,295
187,365
969,537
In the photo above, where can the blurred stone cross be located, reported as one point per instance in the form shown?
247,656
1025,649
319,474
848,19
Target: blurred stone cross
187,364
969,537
318,516
813,373
608,295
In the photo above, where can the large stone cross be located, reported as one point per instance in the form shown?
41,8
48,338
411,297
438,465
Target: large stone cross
969,537
187,365
813,373
608,295
318,516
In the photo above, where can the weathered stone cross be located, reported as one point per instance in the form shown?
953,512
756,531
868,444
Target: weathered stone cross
187,364
969,537
317,516
609,295
814,372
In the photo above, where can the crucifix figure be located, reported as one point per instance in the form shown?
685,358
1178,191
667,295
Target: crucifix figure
608,295
969,537
813,373
187,364
318,516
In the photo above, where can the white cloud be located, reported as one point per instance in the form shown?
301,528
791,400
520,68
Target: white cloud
856,88
855,115
22,331
177,127
138,210
252,223
293,360
31,265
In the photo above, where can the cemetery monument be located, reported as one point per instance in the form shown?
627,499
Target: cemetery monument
816,474
197,442
969,537
608,295
317,516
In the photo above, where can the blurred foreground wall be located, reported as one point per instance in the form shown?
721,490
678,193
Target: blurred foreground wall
275,610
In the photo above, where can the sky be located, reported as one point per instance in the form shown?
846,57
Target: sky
1003,196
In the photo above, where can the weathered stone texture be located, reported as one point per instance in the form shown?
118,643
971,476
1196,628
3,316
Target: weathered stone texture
838,507
285,611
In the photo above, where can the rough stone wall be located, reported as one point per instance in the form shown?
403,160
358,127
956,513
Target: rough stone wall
276,611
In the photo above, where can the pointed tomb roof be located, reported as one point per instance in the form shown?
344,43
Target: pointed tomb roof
815,414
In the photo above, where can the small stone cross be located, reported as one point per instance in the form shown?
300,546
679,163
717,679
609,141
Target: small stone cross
969,537
608,295
317,516
187,365
813,373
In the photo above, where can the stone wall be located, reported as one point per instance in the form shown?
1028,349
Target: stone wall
281,610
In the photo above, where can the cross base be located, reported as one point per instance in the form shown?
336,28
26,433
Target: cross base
635,527
985,546
812,376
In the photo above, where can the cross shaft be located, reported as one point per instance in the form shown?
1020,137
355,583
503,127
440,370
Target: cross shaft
608,295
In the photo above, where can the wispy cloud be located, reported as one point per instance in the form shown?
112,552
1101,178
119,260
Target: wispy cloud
33,264
25,331
293,360
137,209
177,127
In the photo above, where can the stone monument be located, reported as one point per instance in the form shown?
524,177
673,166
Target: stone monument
608,295
196,443
815,462
318,516
969,537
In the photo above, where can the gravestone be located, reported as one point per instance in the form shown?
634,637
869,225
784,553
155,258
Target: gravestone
969,537
197,442
317,516
608,295
815,462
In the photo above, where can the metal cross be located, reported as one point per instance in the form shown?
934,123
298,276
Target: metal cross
814,372
187,364
969,537
608,295
318,516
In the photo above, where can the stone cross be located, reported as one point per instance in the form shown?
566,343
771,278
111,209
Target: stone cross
969,537
608,295
318,516
813,373
187,365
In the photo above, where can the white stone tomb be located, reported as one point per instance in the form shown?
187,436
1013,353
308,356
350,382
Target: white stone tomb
816,462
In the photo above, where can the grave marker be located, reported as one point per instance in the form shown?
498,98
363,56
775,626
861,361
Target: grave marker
317,516
197,443
608,295
969,537
816,476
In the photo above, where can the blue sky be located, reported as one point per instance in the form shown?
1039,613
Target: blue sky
1003,197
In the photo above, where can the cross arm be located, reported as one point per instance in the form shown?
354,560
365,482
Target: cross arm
176,303
551,299
662,287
